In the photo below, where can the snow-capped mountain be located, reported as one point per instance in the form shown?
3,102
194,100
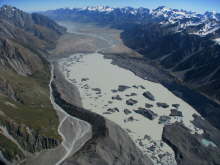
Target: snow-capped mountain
192,22
212,15
180,20
101,14
99,8
125,10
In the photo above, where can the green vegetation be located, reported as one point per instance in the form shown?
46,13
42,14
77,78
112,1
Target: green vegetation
9,149
34,108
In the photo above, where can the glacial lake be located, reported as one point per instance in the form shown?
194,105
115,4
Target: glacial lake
117,94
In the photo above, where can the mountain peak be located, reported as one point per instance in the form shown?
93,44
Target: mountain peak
99,8
8,8
163,8
15,16
10,11
212,15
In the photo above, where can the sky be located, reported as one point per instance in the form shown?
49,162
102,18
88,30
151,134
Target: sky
199,6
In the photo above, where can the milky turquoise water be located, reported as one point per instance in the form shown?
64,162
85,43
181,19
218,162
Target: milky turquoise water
207,143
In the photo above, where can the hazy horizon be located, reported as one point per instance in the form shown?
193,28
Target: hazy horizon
199,6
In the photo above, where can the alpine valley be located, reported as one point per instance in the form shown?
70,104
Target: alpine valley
109,86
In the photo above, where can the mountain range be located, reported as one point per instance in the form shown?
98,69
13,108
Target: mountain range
181,20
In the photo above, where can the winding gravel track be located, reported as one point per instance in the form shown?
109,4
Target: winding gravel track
74,132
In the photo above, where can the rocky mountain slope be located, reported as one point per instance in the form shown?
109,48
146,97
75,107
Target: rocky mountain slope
192,59
28,123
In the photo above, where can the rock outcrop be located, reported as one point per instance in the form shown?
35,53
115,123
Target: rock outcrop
29,139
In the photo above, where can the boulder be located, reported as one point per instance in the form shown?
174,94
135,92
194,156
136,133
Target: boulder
84,79
113,110
142,87
164,119
162,105
146,113
175,112
135,86
175,106
131,118
114,90
132,94
127,111
148,105
117,97
96,89
149,96
106,113
122,88
131,102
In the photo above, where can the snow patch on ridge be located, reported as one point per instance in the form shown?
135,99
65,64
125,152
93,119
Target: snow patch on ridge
217,40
